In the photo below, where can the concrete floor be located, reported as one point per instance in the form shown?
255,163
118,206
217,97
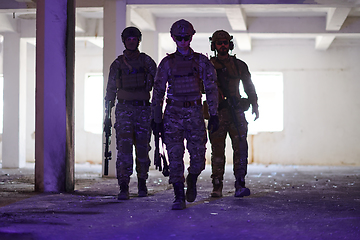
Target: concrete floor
287,202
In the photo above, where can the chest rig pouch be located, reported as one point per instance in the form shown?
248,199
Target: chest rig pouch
132,74
185,76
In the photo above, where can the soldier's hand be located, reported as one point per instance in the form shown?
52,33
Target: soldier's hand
213,124
255,110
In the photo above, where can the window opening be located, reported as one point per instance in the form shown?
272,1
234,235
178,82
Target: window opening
93,103
269,88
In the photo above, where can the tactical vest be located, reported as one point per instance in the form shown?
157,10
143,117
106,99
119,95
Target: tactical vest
228,71
185,76
226,74
132,73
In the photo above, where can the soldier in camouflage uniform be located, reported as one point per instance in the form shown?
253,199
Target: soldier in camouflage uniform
185,73
232,106
131,78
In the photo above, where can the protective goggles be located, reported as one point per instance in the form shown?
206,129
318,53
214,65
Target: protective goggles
180,38
226,42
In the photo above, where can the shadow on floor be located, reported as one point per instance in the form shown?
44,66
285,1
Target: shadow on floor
286,202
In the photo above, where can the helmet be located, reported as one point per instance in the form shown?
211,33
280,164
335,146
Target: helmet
182,28
131,32
221,34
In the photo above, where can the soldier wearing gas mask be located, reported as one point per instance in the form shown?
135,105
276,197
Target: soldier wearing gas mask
183,76
131,79
232,107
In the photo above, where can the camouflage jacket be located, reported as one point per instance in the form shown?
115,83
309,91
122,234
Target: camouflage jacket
113,89
164,80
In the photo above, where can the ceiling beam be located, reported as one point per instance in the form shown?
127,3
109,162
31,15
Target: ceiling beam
244,2
98,41
323,42
17,4
143,19
80,25
300,25
94,28
8,23
237,18
243,41
336,17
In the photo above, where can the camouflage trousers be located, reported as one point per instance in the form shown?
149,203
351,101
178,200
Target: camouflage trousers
132,129
179,124
240,147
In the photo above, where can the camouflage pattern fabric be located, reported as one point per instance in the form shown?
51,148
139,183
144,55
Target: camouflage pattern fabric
240,148
132,129
235,71
185,122
179,124
132,122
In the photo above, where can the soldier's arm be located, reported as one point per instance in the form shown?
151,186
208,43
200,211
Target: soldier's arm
249,87
160,81
210,84
111,87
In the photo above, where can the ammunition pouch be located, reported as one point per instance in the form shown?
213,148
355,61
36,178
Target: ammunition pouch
185,76
133,80
185,85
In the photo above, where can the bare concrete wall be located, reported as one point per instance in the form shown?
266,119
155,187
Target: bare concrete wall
321,103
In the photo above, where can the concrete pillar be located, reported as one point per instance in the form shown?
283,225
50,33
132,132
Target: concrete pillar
13,145
55,41
70,96
115,20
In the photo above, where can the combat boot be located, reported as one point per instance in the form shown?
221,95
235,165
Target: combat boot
142,189
191,180
124,191
217,188
241,190
179,203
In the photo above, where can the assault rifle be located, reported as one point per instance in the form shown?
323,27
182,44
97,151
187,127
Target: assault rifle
159,134
107,131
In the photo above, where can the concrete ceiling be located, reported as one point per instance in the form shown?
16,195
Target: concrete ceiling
322,20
